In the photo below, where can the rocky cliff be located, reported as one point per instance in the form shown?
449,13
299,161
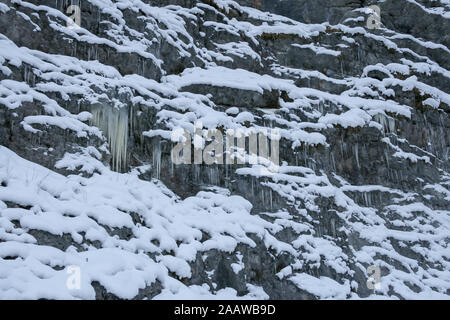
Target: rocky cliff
358,207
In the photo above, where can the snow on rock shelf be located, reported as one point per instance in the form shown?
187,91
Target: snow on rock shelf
87,182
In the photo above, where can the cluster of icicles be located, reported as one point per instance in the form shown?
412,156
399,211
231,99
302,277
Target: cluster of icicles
113,121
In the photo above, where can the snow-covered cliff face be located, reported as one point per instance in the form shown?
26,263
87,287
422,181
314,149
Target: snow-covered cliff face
86,177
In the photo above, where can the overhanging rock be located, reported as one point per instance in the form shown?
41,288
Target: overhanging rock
227,96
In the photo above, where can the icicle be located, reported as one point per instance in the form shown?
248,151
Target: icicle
226,172
366,202
333,227
157,159
333,162
214,175
210,175
271,199
25,71
113,122
196,173
387,122
357,155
